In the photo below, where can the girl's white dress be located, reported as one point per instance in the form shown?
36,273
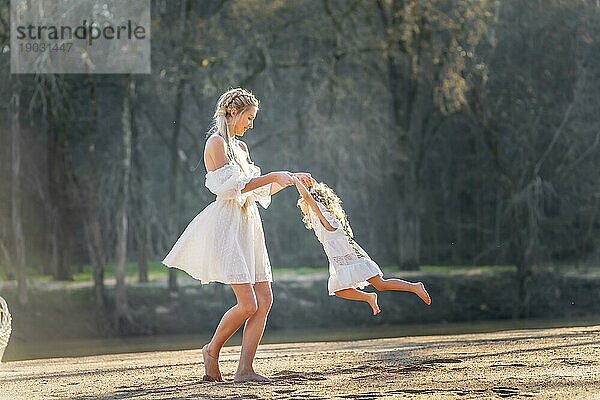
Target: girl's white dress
349,266
225,242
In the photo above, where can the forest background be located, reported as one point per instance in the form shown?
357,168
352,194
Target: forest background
461,132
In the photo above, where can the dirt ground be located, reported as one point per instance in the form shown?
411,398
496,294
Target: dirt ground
562,363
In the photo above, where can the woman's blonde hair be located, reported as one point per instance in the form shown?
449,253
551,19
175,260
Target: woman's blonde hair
234,99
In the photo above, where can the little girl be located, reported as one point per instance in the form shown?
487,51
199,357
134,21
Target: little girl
350,267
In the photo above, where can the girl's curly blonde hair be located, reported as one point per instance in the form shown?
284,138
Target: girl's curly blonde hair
326,196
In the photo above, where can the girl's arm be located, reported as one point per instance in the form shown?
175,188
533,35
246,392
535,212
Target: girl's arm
312,204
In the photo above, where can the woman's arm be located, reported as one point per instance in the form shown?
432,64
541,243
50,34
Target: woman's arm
276,188
312,203
281,179
215,158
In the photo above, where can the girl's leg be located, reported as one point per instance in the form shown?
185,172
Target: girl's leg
230,322
354,294
253,331
398,284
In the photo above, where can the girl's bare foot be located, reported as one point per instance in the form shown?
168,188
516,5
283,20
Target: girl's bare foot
373,303
250,376
211,366
422,293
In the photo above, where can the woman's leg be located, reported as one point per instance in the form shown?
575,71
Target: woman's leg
354,294
398,284
230,322
253,331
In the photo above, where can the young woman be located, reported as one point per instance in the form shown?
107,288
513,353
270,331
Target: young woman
225,242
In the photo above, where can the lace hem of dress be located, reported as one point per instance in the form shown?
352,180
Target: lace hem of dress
352,275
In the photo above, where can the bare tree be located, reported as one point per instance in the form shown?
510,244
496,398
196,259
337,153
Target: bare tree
174,204
139,213
122,315
533,137
430,46
5,258
16,198
50,92
85,189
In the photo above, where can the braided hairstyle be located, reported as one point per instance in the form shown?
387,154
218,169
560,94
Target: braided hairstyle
234,99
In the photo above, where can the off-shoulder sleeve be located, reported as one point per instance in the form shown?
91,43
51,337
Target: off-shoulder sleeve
227,182
329,217
261,194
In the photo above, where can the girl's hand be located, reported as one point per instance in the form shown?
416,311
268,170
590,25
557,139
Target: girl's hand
305,178
302,190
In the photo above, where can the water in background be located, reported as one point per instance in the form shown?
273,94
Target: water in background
20,350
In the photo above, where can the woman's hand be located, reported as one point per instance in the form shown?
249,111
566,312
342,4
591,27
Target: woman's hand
297,181
284,178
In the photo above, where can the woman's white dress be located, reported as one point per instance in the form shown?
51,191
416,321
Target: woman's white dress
225,242
349,266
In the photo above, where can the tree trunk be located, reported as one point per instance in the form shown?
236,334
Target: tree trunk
96,252
521,306
6,259
57,186
142,260
88,196
406,224
138,199
173,182
122,317
408,229
54,231
16,198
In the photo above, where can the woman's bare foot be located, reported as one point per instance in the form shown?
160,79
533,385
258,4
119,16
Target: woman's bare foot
422,293
250,376
211,366
373,303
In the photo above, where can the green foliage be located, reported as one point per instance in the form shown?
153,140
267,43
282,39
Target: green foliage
463,268
156,271
459,132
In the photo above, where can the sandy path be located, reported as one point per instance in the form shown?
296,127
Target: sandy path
559,363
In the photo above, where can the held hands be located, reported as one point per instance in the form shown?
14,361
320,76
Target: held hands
305,178
285,178
301,186
297,182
